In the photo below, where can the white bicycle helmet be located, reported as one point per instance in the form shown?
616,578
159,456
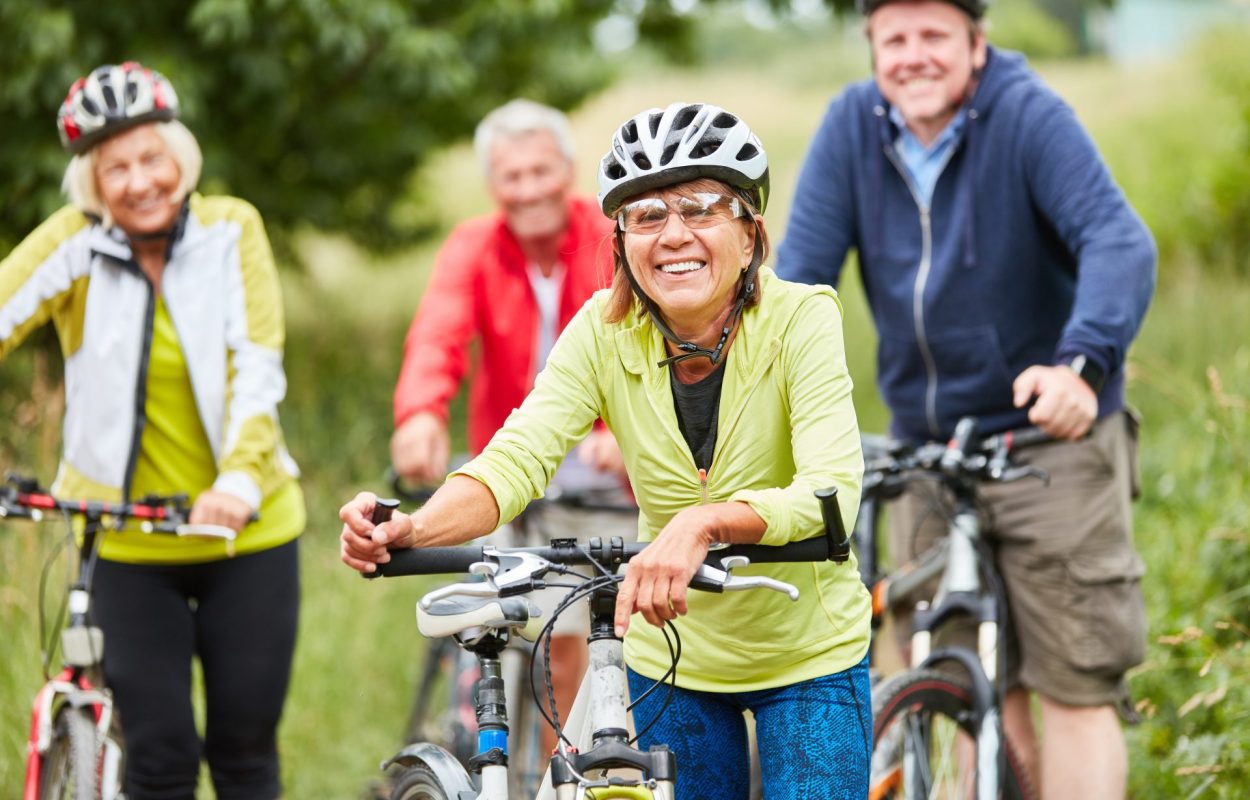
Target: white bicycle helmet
662,147
110,99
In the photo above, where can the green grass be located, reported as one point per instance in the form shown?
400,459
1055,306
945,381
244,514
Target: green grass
347,313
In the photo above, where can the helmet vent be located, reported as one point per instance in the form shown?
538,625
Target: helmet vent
748,152
641,161
724,120
706,148
668,154
613,169
653,122
685,117
629,132
110,99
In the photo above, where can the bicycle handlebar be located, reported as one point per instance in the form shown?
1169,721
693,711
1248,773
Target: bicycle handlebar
22,498
963,456
831,546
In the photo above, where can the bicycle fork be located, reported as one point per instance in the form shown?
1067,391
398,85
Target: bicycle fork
69,689
961,594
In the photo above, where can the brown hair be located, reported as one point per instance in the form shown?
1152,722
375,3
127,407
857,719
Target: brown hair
623,300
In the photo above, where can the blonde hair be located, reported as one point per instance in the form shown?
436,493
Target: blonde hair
79,183
622,300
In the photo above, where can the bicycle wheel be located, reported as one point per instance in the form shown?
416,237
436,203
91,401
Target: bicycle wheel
71,765
918,751
443,706
419,783
526,761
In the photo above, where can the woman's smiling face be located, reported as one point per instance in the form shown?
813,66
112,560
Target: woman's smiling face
690,266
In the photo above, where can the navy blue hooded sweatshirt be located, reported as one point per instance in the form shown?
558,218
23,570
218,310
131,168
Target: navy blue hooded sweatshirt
1028,254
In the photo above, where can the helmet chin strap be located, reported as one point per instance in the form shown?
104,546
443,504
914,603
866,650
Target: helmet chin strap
689,349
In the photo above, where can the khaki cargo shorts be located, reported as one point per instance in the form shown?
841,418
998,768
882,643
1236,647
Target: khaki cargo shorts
1077,619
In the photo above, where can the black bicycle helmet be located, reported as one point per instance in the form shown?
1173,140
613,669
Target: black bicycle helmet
662,147
973,8
112,98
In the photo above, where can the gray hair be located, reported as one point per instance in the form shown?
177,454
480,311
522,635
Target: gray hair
79,183
517,118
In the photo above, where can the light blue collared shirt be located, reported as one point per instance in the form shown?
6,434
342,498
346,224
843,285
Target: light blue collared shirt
925,164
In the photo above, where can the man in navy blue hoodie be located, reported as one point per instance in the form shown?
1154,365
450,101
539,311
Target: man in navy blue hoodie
1007,275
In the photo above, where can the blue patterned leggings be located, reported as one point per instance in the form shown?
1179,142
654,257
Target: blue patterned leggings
814,737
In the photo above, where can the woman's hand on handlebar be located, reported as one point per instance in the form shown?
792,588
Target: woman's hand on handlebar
658,578
365,545
220,508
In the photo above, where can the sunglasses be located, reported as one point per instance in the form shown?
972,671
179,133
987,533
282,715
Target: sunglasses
649,215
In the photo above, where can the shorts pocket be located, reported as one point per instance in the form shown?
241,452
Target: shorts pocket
1107,626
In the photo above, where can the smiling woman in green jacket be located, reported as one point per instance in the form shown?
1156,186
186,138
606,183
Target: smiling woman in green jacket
728,391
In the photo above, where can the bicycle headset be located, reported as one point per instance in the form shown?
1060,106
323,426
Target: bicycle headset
973,8
664,147
110,99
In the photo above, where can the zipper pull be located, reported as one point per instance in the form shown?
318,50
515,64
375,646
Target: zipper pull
702,487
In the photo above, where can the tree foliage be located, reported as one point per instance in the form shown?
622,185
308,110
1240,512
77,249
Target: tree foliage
317,111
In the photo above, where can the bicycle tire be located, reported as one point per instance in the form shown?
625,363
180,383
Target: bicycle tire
920,712
442,708
419,782
70,767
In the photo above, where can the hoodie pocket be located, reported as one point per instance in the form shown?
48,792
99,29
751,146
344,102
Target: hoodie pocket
972,373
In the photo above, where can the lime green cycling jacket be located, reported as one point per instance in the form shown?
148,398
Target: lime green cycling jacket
786,428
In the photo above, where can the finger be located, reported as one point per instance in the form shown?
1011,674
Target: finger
624,605
677,593
360,565
394,531
1024,387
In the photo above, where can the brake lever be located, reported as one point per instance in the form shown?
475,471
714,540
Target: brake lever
1019,473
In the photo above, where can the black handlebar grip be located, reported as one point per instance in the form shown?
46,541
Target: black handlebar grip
429,561
835,530
383,509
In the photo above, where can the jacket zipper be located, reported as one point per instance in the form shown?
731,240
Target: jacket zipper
918,288
141,389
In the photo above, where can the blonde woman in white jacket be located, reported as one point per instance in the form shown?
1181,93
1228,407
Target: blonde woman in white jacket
169,315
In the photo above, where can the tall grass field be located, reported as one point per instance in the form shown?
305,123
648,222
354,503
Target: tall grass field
1168,132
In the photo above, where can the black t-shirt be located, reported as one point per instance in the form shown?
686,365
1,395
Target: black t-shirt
698,406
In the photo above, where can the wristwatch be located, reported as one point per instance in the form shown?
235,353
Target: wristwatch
1088,371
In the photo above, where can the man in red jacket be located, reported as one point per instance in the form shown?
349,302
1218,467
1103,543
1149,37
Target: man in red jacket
512,280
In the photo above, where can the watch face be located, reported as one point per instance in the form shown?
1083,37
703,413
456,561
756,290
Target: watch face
1088,371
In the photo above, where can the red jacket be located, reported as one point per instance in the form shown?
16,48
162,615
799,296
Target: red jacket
480,289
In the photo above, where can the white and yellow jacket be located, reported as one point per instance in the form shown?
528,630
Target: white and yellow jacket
221,288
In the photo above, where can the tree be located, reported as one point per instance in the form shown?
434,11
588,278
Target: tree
316,111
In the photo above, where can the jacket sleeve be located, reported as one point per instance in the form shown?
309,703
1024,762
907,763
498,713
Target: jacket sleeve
1115,252
436,347
255,337
523,455
41,278
821,227
824,433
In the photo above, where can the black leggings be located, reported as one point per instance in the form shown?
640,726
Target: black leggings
239,616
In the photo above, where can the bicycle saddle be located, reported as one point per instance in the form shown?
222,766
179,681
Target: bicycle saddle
452,615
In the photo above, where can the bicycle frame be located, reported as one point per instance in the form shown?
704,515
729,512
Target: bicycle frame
82,647
493,605
961,591
82,644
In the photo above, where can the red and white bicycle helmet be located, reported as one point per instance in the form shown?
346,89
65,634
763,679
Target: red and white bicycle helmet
110,99
662,147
